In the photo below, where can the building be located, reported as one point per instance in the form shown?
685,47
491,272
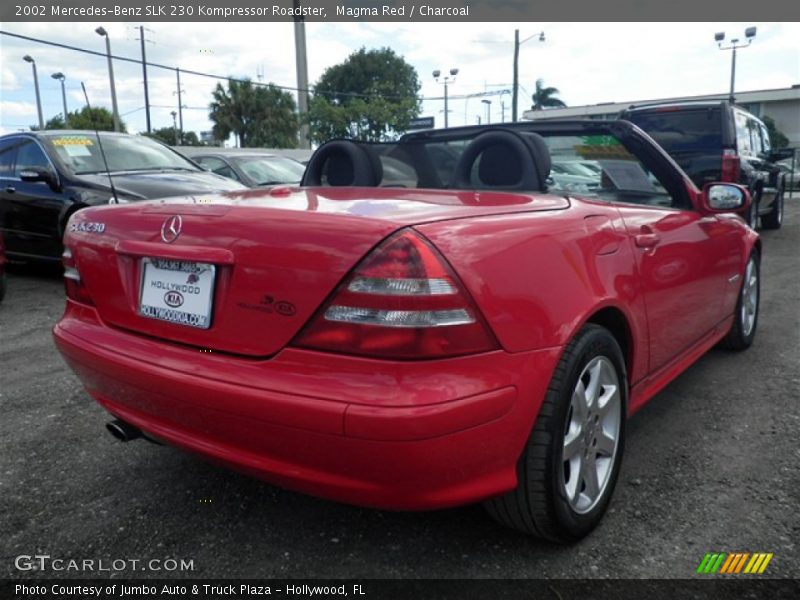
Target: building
782,105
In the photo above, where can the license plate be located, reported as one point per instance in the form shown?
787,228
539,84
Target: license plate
177,291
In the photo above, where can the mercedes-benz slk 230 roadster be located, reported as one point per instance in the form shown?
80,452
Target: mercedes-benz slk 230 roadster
419,324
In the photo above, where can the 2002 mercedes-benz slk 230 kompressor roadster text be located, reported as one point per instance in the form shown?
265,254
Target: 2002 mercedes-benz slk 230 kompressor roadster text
420,324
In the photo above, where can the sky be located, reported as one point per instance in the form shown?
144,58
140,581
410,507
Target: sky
588,62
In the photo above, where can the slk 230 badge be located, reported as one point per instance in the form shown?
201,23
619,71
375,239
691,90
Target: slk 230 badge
88,227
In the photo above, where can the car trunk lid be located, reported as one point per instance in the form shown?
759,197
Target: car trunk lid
263,262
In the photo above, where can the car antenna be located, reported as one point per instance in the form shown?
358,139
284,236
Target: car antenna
100,144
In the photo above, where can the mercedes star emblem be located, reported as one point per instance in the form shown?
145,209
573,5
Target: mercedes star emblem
171,228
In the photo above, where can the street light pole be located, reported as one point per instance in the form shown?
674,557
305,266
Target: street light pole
114,110
175,127
60,77
515,85
446,80
719,37
28,58
488,104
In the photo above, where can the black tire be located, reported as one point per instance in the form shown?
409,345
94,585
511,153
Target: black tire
539,505
774,219
740,337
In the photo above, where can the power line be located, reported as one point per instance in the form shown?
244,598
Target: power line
198,73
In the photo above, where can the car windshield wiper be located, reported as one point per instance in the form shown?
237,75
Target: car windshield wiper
277,182
138,169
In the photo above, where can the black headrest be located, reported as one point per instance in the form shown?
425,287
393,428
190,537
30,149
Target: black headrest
343,163
541,154
508,161
500,165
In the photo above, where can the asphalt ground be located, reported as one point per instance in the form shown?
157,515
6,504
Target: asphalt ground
711,464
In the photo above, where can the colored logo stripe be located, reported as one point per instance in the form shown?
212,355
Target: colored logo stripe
734,563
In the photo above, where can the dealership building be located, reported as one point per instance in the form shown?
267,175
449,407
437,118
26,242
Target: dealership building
782,105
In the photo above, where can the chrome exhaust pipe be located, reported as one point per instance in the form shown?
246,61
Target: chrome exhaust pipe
124,432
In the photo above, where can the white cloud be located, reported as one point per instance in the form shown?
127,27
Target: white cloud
11,108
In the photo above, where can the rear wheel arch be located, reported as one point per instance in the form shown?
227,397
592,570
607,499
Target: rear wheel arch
617,323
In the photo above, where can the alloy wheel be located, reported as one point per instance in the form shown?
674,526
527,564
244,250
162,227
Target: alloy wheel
591,435
749,297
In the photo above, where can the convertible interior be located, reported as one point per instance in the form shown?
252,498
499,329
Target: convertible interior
508,158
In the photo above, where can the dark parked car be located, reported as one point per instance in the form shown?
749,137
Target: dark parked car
45,176
253,169
719,141
2,268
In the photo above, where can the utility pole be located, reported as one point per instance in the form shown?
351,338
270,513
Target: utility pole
301,64
180,103
144,72
515,91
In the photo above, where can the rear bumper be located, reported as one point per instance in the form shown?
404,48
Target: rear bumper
395,435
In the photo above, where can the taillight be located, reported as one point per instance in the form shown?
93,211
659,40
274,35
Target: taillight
402,301
730,166
73,285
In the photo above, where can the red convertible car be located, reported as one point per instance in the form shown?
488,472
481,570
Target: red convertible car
420,324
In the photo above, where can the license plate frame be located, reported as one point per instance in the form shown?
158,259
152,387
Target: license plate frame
167,284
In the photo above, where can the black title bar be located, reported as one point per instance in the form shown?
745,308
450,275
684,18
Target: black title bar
445,11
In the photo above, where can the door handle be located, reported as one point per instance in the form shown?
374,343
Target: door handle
646,240
11,189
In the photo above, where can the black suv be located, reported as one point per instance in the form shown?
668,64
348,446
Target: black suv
45,176
719,141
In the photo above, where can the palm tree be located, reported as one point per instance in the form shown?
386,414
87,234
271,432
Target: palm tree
259,115
231,111
545,97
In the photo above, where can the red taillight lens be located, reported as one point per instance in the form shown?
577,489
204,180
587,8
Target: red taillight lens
730,166
403,301
72,280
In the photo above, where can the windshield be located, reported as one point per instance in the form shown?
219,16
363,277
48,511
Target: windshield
270,170
81,153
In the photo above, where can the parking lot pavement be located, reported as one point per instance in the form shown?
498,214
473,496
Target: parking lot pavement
712,464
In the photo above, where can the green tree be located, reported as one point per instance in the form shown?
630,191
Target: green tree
371,96
190,139
257,115
167,135
545,97
776,137
95,118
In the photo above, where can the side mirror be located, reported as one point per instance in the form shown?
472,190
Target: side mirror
38,174
725,197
